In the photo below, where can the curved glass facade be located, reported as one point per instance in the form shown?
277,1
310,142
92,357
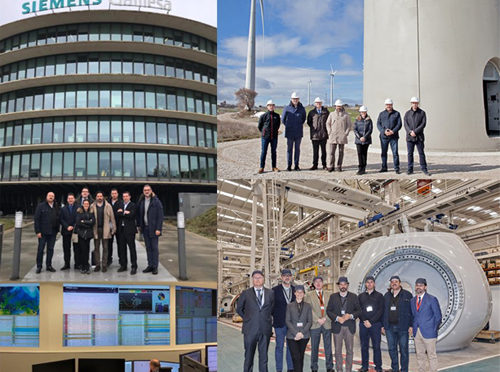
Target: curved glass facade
107,63
108,129
107,32
108,95
90,164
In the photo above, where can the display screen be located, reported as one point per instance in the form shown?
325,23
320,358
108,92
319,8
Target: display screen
196,320
19,315
211,353
112,315
143,365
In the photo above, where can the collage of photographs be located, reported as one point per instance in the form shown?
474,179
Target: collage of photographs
249,185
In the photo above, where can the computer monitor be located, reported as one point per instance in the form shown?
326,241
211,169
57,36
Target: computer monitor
67,365
143,366
101,365
191,365
195,355
211,357
174,366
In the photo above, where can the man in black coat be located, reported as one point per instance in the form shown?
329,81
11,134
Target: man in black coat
46,229
84,195
269,124
414,122
284,293
150,221
316,119
370,324
127,228
255,306
115,202
68,220
343,309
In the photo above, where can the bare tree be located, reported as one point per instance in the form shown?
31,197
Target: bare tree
245,98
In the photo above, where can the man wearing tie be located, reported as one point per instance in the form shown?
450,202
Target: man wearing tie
127,228
321,325
68,220
426,320
255,306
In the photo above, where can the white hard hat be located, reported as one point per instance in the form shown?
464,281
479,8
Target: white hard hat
339,102
270,102
388,101
318,100
414,99
294,95
363,109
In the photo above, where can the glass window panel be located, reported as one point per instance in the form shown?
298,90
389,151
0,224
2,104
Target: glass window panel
211,168
186,39
203,44
93,32
150,98
69,131
20,101
92,164
105,64
128,97
35,165
30,70
171,99
203,167
71,65
50,69
32,39
45,166
92,130
174,166
148,34
116,163
104,164
128,130
59,98
69,167
116,66
12,103
56,164
47,132
58,131
61,34
83,64
208,133
8,135
138,98
105,95
168,36
149,65
48,100
93,98
152,165
25,166
163,165
81,96
60,65
6,167
172,133
128,65
199,103
3,104
195,42
190,101
188,70
2,136
162,133
1,165
137,33
140,165
128,164
195,171
105,31
151,132
201,136
116,131
18,128
169,65
37,133
192,134
213,102
40,68
83,32
72,33
177,38
161,99
158,35
181,100
183,136
126,32
179,71
71,96
80,164
139,131
104,127
116,32
160,66
81,131
26,134
15,166
138,65
93,63
184,160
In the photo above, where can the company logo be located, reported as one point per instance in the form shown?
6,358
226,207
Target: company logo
42,5
157,4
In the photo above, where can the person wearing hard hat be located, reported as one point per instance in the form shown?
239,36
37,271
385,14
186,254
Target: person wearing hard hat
389,123
414,122
269,124
293,118
363,128
316,119
338,126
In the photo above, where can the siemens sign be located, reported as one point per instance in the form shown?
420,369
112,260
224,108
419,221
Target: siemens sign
41,5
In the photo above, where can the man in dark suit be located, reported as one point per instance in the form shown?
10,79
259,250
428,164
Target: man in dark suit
397,323
115,202
414,122
68,220
127,229
343,309
46,229
283,295
150,221
84,195
426,320
255,306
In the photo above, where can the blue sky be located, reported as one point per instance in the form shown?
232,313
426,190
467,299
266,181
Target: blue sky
302,39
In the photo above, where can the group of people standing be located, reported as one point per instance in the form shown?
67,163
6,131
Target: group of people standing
83,219
330,130
298,317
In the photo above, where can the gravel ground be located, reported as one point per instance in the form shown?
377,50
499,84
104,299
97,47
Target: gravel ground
240,159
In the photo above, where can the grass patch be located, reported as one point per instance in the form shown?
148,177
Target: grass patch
231,131
205,224
8,223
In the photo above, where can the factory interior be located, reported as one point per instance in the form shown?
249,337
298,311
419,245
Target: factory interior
447,230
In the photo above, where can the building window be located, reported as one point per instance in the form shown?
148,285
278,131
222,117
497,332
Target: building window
491,95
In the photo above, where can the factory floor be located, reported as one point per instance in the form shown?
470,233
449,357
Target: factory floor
478,356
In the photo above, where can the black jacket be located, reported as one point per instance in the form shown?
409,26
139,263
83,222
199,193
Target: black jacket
390,121
155,215
334,309
405,314
363,128
415,121
115,207
68,218
78,200
126,222
317,124
372,307
47,218
279,313
256,321
85,224
269,130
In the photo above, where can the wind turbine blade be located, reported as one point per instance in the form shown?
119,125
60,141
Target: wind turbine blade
331,68
262,18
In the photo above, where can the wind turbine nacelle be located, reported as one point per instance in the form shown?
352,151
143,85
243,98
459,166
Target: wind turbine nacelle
453,275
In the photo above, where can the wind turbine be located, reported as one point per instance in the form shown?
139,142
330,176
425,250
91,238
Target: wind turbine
332,76
309,92
250,76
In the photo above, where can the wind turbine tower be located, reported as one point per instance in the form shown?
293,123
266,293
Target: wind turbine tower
332,76
250,76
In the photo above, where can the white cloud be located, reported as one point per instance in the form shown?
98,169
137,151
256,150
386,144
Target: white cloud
269,47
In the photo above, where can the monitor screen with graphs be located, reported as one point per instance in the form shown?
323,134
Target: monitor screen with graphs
19,315
112,315
196,320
